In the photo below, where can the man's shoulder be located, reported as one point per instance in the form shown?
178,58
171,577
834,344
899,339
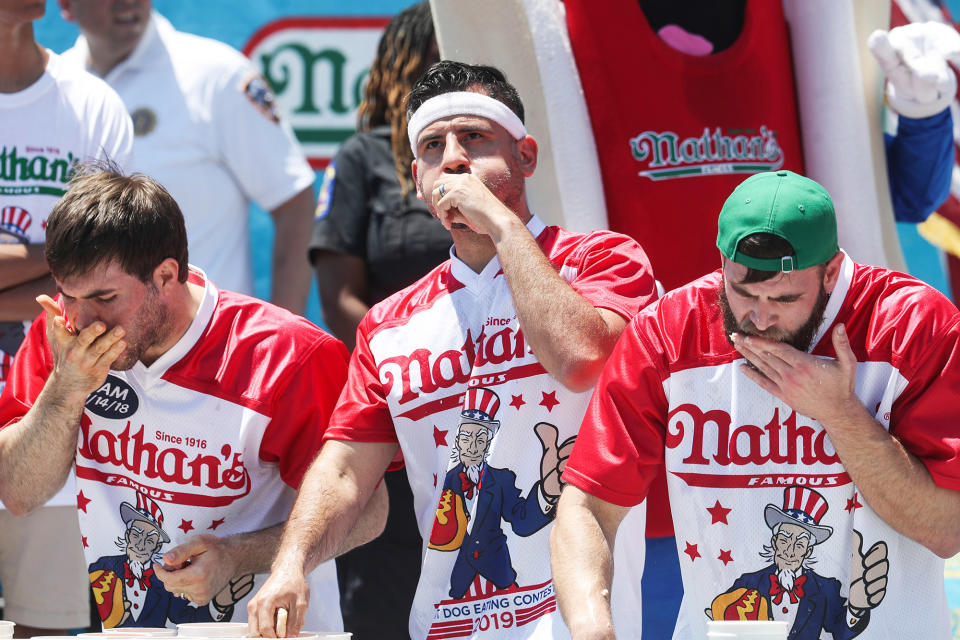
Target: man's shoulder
84,92
202,56
251,350
558,242
397,309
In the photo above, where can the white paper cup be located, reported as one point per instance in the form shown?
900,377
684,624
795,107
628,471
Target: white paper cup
6,628
127,632
748,629
150,632
330,635
212,630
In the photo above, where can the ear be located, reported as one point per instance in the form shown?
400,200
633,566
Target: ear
166,274
527,152
832,272
413,171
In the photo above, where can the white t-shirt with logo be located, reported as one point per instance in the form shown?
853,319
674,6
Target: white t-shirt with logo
740,462
430,351
66,116
212,438
207,129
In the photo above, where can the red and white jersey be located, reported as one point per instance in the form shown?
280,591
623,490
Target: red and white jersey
212,438
447,353
740,461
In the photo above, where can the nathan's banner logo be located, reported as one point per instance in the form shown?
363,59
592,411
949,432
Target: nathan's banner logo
667,155
317,68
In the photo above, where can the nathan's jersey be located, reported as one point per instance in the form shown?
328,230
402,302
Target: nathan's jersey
675,133
443,368
212,438
208,129
740,461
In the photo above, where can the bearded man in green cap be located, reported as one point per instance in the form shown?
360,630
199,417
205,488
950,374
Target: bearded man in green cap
797,399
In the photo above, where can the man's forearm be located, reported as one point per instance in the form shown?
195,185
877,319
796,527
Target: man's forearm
293,222
21,263
571,338
36,452
896,483
19,303
581,557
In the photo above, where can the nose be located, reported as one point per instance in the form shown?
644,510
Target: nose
80,315
455,158
763,318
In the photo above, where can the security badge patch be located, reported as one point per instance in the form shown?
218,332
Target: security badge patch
258,92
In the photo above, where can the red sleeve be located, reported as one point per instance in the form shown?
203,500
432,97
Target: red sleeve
614,273
302,409
362,415
924,416
619,447
27,375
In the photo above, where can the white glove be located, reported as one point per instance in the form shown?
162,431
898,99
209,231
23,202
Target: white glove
914,58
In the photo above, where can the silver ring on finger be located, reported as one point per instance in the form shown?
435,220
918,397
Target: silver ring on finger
443,190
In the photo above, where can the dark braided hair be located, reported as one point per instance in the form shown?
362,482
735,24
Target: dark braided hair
404,53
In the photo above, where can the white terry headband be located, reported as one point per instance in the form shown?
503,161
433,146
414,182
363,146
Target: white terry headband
460,103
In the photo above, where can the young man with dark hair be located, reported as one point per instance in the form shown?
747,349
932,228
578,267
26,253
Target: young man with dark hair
201,407
477,376
801,403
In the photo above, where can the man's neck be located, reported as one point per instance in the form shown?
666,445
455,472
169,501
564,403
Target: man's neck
476,250
104,57
183,309
22,60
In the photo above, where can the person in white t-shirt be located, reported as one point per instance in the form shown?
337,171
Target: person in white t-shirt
801,403
189,410
208,130
52,116
483,367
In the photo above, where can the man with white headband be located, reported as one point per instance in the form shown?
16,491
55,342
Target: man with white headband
476,378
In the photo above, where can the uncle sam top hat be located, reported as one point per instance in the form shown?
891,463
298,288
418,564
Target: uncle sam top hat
801,506
480,405
147,510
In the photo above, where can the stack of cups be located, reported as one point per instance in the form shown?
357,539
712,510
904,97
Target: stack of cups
6,629
212,630
747,630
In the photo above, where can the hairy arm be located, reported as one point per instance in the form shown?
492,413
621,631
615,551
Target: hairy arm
342,281
893,480
335,489
581,556
292,221
37,451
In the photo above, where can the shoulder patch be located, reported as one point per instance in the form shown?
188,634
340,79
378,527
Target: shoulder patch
258,92
326,191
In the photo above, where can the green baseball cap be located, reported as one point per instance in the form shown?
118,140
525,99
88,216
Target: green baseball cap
785,204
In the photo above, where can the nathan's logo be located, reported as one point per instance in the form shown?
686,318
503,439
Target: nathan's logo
667,155
317,67
35,164
15,221
781,442
189,474
114,399
424,372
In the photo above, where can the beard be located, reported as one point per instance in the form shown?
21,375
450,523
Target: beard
473,472
137,567
799,339
786,577
150,326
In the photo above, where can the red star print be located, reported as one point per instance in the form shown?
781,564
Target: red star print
434,480
549,400
517,401
725,557
440,437
692,552
85,545
82,502
216,523
43,225
718,513
186,525
853,503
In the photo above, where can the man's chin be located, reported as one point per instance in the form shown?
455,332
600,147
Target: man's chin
124,363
